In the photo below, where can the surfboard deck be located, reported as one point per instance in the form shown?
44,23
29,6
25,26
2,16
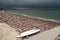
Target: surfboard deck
26,33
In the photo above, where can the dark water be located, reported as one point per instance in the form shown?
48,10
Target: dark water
50,14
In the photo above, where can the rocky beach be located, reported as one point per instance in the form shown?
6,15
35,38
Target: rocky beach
23,23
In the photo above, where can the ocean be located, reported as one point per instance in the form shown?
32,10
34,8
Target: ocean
49,14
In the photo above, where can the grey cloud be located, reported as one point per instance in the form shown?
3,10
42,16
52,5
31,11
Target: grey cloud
40,3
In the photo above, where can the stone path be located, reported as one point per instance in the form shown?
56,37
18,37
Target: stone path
47,35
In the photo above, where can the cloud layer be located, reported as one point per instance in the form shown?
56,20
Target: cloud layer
31,3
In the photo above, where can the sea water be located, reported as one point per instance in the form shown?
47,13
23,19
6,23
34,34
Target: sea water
50,14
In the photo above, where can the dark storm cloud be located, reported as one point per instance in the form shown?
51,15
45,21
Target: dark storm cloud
31,3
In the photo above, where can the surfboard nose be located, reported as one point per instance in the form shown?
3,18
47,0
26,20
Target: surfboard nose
18,36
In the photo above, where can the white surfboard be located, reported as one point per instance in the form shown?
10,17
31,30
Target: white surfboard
26,33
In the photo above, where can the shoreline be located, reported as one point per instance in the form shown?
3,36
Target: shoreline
41,18
23,22
36,17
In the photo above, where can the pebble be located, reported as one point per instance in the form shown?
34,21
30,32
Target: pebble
23,23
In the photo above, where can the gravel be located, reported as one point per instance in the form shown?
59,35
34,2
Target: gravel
23,23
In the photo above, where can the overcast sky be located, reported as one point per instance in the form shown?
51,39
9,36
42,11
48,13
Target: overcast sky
30,3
